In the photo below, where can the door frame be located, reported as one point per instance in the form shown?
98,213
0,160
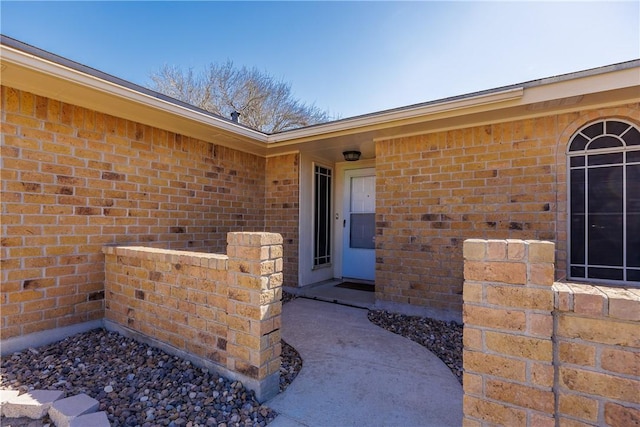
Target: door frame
340,184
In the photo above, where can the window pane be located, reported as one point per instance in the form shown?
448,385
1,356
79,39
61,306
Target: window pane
605,142
577,216
632,137
605,215
605,159
594,130
633,156
576,161
605,273
633,275
633,215
363,229
616,128
322,216
577,272
578,143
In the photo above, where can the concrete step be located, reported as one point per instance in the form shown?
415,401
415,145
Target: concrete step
63,411
6,396
34,404
96,419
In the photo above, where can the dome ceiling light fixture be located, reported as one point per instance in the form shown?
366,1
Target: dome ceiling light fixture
351,156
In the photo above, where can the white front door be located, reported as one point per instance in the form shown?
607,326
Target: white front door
359,225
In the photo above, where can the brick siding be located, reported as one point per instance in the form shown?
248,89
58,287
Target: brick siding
282,209
538,353
74,180
223,308
433,191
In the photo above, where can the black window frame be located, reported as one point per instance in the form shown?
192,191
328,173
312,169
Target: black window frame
322,222
603,200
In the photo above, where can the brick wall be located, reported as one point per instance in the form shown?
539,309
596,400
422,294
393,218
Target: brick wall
223,308
282,209
537,353
505,180
74,180
598,338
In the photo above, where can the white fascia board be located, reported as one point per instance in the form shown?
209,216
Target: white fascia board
41,65
377,119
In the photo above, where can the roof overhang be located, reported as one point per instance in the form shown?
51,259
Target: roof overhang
30,69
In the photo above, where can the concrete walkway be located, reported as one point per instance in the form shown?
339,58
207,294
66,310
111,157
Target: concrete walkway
357,374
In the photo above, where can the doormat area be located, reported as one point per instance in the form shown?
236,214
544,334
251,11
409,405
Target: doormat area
357,286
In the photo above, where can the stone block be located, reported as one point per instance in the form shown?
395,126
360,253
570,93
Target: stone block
96,419
7,396
34,404
65,410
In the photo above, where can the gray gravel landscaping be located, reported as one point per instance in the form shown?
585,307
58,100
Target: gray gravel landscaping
138,385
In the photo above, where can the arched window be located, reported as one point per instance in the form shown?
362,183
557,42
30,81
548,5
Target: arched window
604,202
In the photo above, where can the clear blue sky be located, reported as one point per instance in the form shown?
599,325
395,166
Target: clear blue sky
349,58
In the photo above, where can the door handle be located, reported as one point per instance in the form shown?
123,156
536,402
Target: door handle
344,223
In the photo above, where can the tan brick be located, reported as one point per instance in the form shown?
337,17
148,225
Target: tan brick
539,420
519,297
541,252
597,330
504,272
619,415
472,339
472,384
474,249
542,374
577,354
621,361
607,386
496,250
623,304
519,346
521,396
491,412
540,325
505,367
580,407
541,274
473,292
494,318
588,300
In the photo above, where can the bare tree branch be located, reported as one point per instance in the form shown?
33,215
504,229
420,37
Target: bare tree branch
264,103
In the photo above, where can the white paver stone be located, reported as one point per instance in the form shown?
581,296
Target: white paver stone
96,419
7,396
65,410
33,404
